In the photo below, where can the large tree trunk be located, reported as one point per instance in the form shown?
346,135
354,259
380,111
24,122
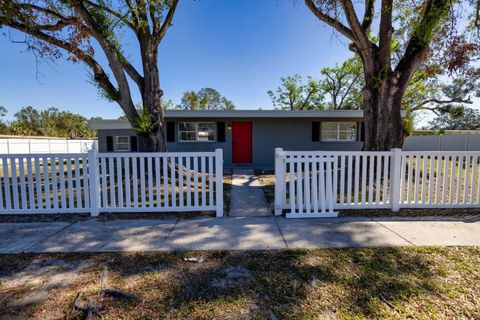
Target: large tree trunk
153,141
382,114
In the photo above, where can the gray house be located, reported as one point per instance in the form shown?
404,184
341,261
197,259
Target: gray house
248,137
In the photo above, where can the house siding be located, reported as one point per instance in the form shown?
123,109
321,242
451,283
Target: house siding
103,134
293,134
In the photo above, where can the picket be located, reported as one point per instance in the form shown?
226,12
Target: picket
370,180
107,182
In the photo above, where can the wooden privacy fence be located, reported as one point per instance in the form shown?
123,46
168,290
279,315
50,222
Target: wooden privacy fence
368,180
111,182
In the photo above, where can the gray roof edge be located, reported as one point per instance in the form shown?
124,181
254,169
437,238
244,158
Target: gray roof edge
234,114
263,113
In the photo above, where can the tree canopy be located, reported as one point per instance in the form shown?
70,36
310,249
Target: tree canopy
342,85
468,119
3,124
205,99
294,94
338,88
84,30
51,122
408,37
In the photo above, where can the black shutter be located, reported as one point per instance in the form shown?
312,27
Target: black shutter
170,131
220,131
133,144
316,131
362,131
109,143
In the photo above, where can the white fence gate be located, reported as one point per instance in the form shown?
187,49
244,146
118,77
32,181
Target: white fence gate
111,182
308,178
370,180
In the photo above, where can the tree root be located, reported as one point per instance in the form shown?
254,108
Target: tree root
114,293
89,309
93,306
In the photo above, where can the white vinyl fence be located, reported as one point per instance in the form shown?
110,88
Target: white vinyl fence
111,182
43,146
370,180
446,142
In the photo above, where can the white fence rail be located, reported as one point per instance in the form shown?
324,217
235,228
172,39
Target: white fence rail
369,180
45,146
111,182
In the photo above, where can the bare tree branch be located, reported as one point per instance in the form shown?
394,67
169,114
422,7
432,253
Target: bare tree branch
141,9
168,21
336,24
385,35
422,104
99,74
120,16
111,52
352,19
418,45
305,101
350,86
131,9
368,15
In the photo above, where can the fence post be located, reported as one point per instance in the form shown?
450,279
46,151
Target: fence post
279,180
94,182
395,168
219,182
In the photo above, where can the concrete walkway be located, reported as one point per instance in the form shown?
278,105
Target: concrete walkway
246,196
255,233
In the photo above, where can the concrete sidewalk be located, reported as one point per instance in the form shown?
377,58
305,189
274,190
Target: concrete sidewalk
255,233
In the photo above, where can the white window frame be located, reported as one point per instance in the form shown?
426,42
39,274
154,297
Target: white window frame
116,144
196,131
338,131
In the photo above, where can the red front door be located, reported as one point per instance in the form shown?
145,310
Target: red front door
242,142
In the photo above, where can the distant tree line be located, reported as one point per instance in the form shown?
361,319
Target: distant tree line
339,88
204,99
50,123
466,119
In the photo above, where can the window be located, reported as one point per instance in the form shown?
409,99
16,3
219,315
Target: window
122,143
196,131
339,131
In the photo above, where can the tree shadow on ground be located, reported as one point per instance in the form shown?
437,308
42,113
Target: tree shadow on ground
286,284
371,283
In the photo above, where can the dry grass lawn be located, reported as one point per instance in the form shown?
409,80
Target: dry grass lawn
424,283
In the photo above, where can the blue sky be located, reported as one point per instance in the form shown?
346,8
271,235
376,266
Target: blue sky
239,47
